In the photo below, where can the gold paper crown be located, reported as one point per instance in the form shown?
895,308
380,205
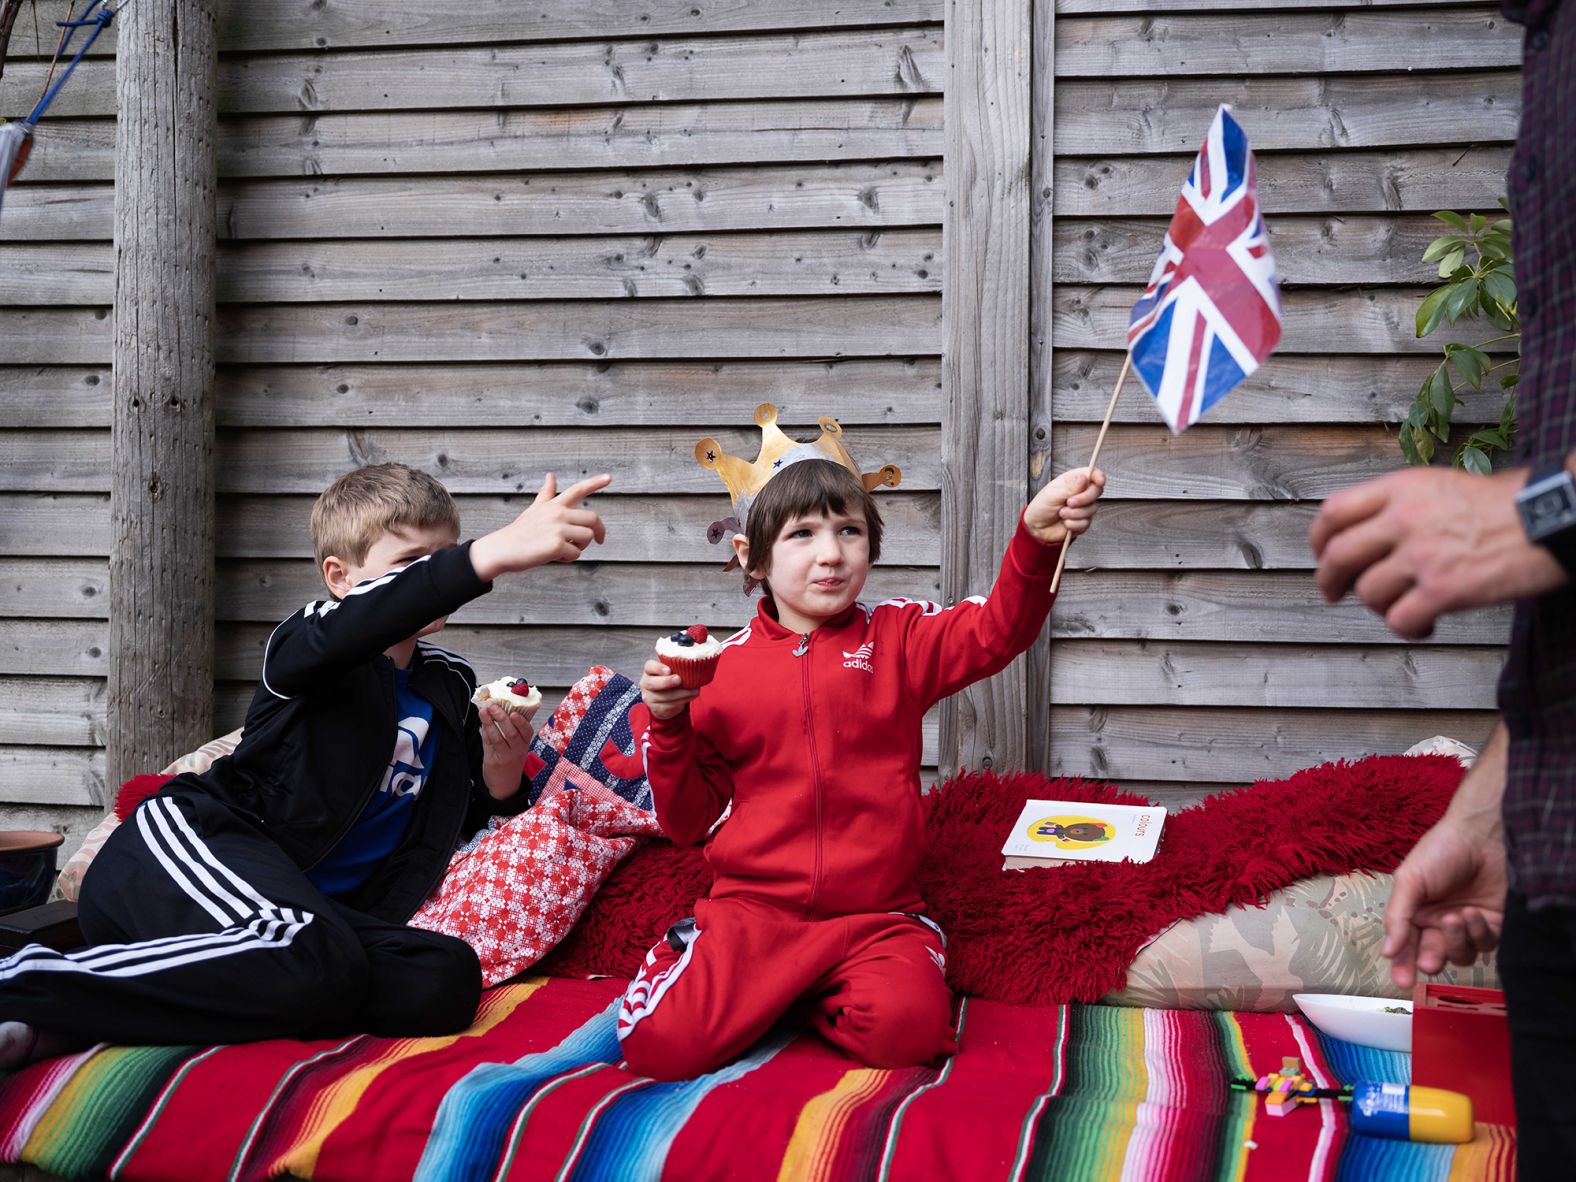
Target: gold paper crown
745,480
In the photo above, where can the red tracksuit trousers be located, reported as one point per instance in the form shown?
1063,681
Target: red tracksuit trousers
873,985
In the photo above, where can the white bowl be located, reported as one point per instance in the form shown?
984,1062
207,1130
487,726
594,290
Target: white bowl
1361,1020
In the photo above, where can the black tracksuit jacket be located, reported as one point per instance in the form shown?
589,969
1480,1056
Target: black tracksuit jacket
322,727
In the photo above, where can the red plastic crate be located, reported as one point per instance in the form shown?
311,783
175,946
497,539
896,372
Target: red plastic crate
1461,1041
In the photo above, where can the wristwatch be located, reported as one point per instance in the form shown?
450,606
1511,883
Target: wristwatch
1548,513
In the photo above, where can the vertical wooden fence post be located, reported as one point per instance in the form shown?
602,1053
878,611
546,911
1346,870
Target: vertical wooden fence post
985,367
1037,661
160,700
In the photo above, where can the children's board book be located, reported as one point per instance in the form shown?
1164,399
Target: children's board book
1052,831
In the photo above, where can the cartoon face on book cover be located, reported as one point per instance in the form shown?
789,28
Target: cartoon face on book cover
1071,831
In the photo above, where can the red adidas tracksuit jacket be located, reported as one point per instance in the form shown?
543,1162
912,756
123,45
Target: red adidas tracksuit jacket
814,740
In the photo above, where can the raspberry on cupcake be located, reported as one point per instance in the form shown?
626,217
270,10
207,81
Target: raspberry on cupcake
514,694
690,653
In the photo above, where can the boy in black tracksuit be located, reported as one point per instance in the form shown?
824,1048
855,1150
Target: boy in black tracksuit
267,896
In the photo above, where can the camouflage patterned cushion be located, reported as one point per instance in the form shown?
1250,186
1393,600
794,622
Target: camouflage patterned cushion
1321,935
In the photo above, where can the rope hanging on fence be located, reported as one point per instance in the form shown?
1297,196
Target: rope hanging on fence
16,139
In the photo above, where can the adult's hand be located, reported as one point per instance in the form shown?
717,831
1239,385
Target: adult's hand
1448,902
1419,543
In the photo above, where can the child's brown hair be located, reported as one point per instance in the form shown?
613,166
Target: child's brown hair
808,487
365,503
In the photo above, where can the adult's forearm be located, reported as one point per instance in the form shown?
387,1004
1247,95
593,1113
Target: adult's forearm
1483,787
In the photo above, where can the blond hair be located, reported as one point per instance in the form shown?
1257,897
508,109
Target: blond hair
366,503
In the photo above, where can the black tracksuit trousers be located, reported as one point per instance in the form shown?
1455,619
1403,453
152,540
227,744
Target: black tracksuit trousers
203,931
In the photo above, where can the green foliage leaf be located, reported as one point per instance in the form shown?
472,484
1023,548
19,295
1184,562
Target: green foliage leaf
1451,263
1463,295
1440,247
1409,451
1432,311
1441,401
1470,363
1474,460
1453,219
1478,221
1500,288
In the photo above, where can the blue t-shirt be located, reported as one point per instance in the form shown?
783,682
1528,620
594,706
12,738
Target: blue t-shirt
382,823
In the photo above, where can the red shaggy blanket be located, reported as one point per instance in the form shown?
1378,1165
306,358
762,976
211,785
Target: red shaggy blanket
1069,933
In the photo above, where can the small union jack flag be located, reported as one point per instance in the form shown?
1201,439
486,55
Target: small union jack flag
1211,313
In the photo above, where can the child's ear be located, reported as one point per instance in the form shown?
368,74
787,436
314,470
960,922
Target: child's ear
336,576
741,550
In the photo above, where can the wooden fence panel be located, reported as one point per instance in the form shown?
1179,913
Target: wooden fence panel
1192,648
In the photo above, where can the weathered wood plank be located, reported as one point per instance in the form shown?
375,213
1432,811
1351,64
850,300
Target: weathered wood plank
893,60
505,459
1223,745
1346,249
1419,179
1266,606
53,775
1339,111
1372,677
1163,44
278,24
496,460
640,136
272,25
1198,535
56,336
54,461
45,525
76,588
57,648
509,331
1291,388
649,594
1367,320
46,273
54,711
578,394
1079,6
54,396
674,200
810,263
72,212
1232,463
985,365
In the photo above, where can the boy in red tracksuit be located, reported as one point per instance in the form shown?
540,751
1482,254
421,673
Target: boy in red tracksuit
808,742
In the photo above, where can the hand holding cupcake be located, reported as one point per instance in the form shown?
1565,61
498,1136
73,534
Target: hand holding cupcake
685,661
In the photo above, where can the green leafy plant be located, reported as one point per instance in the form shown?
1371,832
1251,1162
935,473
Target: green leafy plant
1484,285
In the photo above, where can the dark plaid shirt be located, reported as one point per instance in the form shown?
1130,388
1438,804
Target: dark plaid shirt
1537,691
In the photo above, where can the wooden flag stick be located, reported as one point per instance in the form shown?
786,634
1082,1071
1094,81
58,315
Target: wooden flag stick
1099,442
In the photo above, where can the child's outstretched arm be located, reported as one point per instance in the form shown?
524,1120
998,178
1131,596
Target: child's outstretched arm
947,648
555,528
690,782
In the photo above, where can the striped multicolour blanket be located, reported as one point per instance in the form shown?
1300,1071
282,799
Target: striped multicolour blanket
535,1090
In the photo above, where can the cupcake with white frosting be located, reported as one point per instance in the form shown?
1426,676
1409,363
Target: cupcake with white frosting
514,694
690,653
